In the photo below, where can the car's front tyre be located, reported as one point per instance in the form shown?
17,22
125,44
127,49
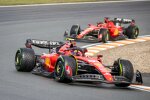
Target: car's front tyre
65,68
105,35
124,68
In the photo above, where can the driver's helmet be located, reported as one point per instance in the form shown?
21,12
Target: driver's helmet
106,19
72,44
76,52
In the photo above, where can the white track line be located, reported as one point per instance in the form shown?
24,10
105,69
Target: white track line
94,51
140,87
95,48
138,40
105,46
125,42
118,43
115,44
144,36
91,45
89,54
143,88
55,4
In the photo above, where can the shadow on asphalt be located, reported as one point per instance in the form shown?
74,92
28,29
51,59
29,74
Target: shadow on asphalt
101,86
87,84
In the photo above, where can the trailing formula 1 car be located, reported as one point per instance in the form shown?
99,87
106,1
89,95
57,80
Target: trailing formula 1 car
105,31
67,63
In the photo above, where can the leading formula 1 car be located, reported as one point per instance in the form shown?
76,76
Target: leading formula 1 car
68,63
115,29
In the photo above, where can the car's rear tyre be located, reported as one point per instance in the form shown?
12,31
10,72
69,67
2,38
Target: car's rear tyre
75,30
124,68
65,68
105,35
25,59
132,32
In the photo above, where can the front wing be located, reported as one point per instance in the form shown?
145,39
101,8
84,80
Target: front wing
101,79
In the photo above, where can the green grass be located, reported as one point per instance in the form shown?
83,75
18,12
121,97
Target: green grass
24,2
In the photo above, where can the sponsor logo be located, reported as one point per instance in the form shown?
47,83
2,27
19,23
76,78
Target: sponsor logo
44,42
39,42
127,20
123,20
54,43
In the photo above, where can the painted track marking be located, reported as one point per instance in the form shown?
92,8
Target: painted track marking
105,46
125,42
96,48
115,44
140,87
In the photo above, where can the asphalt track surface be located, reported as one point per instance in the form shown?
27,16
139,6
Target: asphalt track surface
49,22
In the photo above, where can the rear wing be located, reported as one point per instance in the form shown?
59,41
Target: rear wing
42,43
124,21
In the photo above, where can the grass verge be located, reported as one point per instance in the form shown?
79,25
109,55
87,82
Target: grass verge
25,2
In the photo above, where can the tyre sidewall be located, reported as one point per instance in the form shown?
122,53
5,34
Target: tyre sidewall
18,60
26,59
126,70
75,30
59,76
105,35
62,76
132,32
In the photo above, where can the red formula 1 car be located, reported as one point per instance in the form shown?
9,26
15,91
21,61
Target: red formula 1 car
68,63
105,31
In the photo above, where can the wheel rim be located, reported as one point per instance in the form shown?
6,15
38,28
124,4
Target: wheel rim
76,30
120,69
17,61
59,69
136,33
107,37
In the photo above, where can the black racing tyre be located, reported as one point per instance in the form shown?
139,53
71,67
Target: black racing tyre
25,59
105,35
65,68
124,68
75,30
132,32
